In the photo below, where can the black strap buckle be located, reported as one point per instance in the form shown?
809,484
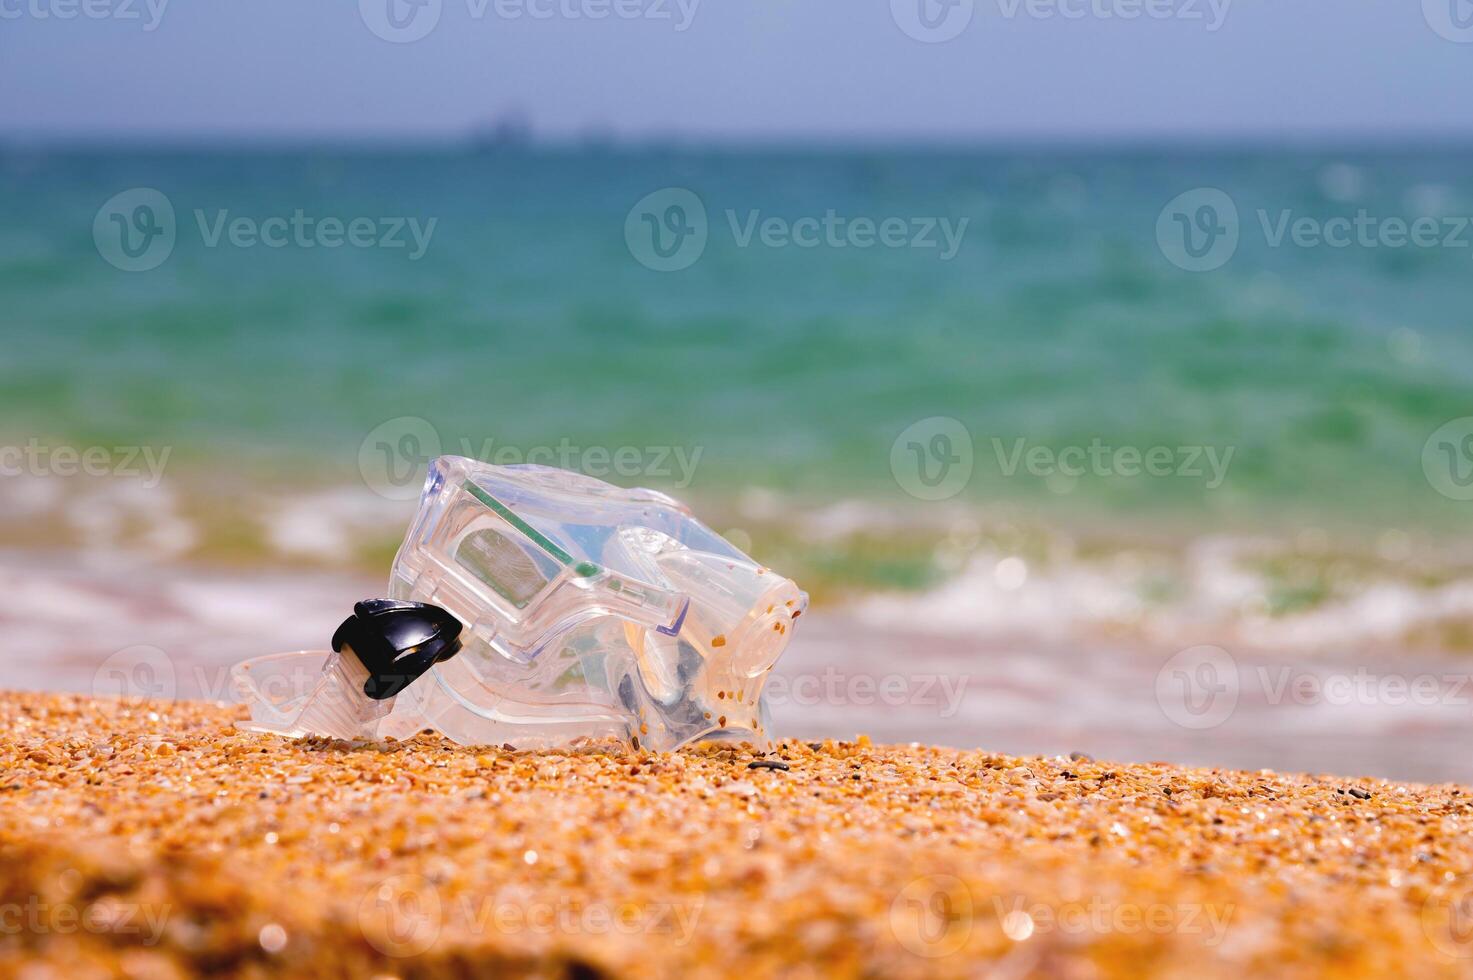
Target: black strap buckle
397,641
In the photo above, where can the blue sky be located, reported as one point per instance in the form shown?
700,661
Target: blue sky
781,69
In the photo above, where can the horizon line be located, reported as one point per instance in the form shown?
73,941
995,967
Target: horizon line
491,139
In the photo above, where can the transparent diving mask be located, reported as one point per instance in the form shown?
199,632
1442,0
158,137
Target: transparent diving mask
581,611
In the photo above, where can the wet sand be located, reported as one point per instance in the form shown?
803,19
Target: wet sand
169,632
154,839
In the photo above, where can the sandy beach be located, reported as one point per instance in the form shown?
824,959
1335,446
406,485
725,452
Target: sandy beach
154,839
968,490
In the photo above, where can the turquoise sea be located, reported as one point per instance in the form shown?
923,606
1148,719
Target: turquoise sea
529,321
949,451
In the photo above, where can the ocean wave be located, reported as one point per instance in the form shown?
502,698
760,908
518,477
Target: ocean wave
1230,589
953,569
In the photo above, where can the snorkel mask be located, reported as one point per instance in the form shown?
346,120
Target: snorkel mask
537,607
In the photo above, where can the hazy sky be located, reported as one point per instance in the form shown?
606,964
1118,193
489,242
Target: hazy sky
781,68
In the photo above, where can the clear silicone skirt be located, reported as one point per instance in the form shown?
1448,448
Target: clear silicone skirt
589,611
